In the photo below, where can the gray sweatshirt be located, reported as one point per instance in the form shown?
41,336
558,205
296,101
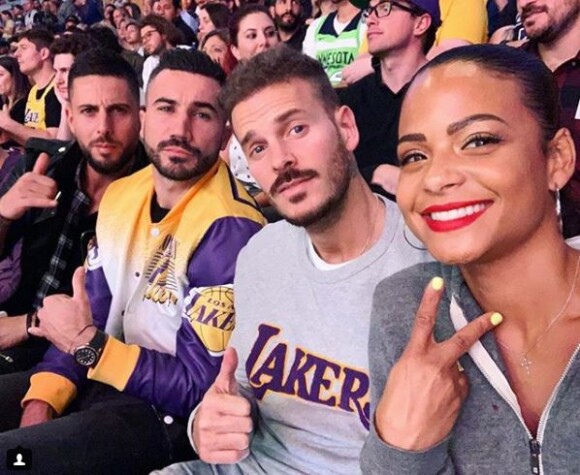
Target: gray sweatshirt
489,436
302,338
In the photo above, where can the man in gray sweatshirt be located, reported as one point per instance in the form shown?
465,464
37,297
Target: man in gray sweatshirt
295,397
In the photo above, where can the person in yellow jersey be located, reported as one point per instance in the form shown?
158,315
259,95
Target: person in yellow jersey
42,114
463,22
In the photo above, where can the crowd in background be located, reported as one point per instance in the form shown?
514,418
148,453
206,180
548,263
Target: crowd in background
149,96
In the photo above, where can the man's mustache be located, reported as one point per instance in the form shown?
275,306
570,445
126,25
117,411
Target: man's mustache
103,140
531,9
288,175
180,142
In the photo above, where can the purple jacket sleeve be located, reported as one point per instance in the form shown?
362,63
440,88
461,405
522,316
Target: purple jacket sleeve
56,361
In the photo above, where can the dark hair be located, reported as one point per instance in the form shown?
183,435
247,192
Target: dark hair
429,37
8,13
189,61
102,37
163,27
230,60
20,84
242,13
218,13
40,37
176,4
73,44
277,66
100,62
539,91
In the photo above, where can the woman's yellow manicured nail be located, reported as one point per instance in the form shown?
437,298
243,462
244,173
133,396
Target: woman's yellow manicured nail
496,319
437,283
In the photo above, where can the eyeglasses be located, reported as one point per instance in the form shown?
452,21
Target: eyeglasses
383,9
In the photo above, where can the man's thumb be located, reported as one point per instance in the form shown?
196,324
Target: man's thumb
42,164
78,284
225,382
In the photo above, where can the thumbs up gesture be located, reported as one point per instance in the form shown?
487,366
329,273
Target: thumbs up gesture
223,425
31,190
426,387
67,321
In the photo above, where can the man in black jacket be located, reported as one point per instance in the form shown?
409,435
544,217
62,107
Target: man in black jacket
49,204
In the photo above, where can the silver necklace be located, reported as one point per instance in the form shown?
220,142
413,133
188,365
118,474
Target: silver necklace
525,361
377,212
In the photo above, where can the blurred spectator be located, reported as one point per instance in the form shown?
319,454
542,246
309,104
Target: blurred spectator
132,10
133,37
158,35
18,16
8,24
463,22
170,10
108,16
70,8
64,50
336,40
14,88
42,116
48,15
553,27
211,17
288,15
216,44
500,13
71,23
118,14
30,14
252,30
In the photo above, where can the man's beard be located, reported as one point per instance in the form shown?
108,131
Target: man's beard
342,169
285,26
553,30
107,167
176,173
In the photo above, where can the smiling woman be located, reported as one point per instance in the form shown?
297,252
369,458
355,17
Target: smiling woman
482,159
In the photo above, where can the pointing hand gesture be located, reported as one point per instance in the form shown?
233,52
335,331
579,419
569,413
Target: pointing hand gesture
31,190
67,321
426,387
223,424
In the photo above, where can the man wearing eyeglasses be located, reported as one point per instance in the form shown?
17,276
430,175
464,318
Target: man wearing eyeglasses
399,34
158,35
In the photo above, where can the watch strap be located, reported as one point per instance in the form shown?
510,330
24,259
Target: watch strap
98,342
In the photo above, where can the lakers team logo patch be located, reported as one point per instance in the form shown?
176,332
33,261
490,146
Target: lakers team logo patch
160,274
212,315
94,260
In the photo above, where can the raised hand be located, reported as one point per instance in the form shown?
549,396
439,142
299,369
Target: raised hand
67,321
426,387
31,190
223,424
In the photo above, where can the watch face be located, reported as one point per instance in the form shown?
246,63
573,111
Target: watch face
86,356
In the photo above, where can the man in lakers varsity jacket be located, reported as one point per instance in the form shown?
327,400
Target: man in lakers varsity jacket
156,311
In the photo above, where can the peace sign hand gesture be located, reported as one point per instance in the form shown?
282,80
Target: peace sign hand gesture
426,387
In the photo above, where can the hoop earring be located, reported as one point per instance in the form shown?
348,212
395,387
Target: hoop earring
559,209
409,242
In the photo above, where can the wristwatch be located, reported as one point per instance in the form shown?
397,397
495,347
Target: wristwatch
88,354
